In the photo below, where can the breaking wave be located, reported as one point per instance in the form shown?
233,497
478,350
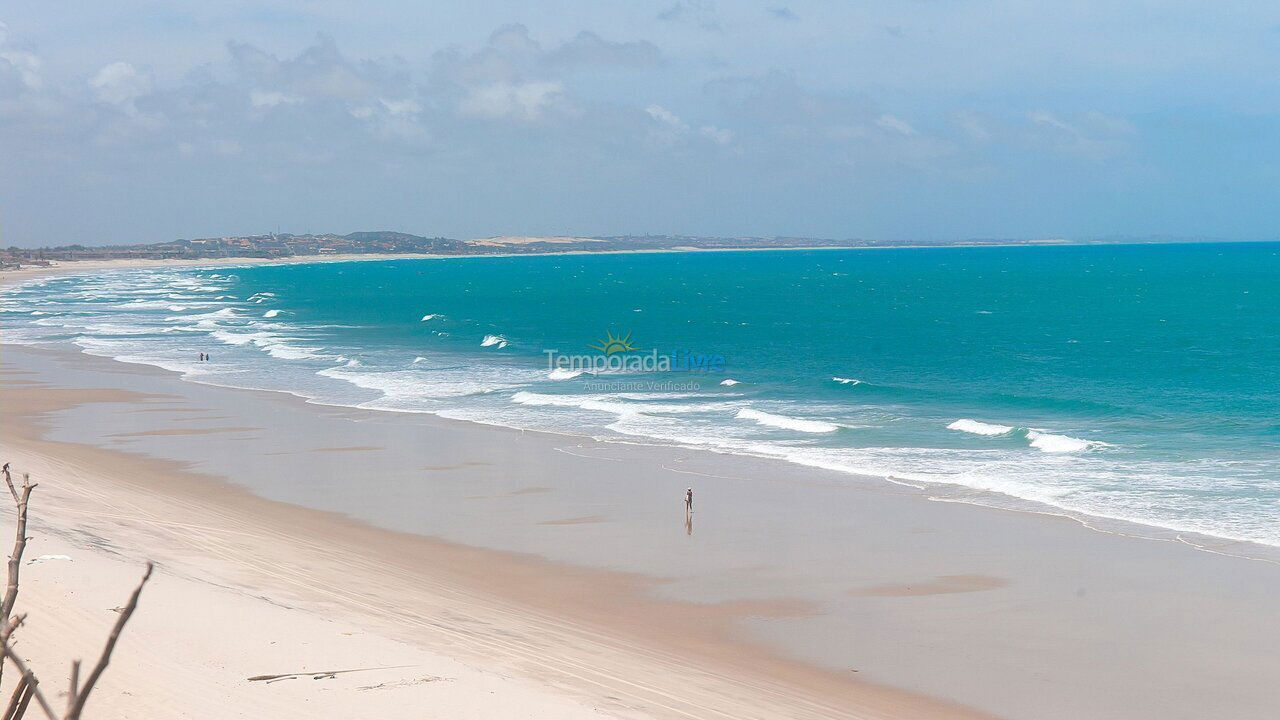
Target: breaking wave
786,423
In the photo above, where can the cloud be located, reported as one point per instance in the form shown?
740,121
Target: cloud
719,136
625,125
1092,135
666,117
18,64
272,98
513,77
672,128
894,124
524,101
699,13
589,49
974,125
319,73
120,84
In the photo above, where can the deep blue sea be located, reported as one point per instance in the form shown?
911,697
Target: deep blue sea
1129,382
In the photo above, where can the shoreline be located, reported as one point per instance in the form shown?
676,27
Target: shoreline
1123,526
160,509
65,267
977,555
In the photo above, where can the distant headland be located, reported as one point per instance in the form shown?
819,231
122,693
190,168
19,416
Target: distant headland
385,242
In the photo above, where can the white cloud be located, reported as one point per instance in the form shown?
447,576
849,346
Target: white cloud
120,84
266,99
524,101
973,125
719,136
402,108
889,122
25,64
1093,135
666,117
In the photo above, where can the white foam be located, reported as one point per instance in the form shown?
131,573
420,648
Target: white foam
666,395
563,374
847,381
119,329
285,351
207,318
492,340
419,359
979,428
1048,442
122,351
270,313
430,316
407,389
729,382
231,338
786,423
609,404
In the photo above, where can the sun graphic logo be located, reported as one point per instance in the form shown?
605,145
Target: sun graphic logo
614,344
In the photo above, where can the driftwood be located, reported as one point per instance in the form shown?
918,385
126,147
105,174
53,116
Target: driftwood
321,674
28,687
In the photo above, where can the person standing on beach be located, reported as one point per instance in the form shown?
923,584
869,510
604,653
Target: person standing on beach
688,501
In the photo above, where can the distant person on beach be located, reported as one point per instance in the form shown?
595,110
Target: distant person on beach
688,501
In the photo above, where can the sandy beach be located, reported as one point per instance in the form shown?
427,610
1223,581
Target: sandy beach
463,570
251,587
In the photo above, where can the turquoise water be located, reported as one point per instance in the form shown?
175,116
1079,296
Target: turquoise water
1129,382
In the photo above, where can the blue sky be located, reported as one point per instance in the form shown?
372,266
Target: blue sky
136,121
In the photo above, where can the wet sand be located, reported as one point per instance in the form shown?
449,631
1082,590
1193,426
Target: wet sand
793,592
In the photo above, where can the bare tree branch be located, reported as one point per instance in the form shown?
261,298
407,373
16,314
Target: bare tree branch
32,690
19,543
22,697
78,706
19,547
16,700
9,481
28,683
73,690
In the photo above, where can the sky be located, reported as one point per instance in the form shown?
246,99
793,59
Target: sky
145,121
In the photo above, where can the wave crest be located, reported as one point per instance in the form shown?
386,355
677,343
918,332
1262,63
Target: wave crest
979,428
786,423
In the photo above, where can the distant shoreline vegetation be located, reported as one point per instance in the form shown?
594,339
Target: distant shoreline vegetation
277,245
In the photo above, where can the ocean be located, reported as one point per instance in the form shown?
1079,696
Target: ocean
1128,382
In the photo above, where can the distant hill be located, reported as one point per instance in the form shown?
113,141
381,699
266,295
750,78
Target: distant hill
385,242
